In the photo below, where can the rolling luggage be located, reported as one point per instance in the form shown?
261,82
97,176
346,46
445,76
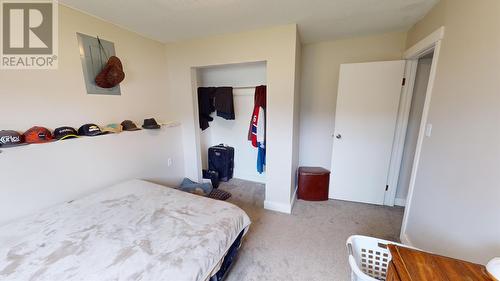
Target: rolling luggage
221,160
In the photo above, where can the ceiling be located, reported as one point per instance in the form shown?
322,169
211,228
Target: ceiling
318,20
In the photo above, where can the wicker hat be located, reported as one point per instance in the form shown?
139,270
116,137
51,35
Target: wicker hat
111,74
112,128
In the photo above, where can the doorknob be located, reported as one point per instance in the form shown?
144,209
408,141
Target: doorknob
339,136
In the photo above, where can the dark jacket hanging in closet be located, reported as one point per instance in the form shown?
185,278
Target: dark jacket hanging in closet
206,106
212,99
224,103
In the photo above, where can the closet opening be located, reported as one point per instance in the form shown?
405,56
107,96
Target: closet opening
240,131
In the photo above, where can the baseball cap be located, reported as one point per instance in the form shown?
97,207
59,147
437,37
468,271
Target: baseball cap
112,128
129,126
90,130
9,138
38,135
65,132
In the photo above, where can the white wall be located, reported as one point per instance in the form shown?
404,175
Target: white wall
234,132
274,45
318,89
455,207
58,97
40,175
414,118
37,176
233,75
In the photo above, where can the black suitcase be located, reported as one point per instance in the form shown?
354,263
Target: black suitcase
221,160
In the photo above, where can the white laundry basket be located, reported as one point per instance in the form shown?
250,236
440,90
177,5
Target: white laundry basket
368,257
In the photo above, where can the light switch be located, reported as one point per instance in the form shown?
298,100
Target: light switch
428,130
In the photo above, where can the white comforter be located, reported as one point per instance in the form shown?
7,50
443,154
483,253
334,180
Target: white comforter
131,231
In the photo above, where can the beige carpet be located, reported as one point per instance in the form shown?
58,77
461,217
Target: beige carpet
307,245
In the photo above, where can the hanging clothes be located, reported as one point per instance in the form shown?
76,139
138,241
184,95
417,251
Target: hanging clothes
261,159
260,142
257,130
258,126
212,99
259,101
224,103
206,106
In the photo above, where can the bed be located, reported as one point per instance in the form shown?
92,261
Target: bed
135,230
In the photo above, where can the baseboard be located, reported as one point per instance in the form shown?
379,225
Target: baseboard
278,207
400,202
293,200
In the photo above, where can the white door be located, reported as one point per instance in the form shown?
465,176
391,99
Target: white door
365,121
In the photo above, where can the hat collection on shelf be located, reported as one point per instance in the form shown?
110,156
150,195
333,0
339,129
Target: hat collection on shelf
10,138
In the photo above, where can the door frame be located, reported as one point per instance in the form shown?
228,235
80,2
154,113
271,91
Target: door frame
431,43
400,133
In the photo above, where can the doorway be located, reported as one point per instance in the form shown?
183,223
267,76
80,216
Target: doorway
428,46
243,79
357,165
377,129
361,172
413,126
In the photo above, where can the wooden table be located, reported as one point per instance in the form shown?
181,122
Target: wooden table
412,265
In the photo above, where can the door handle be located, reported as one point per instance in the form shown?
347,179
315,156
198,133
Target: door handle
338,136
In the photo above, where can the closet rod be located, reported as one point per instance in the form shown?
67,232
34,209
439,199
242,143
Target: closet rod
246,87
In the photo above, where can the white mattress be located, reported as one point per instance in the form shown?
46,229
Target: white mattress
131,231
